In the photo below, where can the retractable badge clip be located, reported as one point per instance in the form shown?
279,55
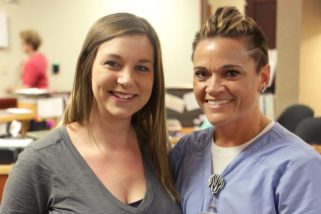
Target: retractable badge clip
216,184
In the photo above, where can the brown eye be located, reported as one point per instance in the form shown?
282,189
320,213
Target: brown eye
112,64
201,74
141,68
232,73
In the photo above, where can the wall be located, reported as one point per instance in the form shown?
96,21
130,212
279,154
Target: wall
299,44
310,67
240,4
64,24
288,38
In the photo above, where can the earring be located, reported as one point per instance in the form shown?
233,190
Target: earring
262,90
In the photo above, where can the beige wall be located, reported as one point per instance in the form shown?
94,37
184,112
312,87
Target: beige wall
299,44
288,35
63,25
310,67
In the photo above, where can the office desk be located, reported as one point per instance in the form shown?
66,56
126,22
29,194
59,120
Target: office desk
317,147
4,171
184,131
8,117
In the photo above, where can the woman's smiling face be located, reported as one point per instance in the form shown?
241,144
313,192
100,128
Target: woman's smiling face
123,75
226,82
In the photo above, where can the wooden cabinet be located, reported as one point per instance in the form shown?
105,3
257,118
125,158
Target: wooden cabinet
264,13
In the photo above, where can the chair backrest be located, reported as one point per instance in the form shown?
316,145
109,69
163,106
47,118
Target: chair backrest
293,115
309,130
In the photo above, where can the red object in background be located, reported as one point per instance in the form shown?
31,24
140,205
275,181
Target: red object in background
34,74
8,103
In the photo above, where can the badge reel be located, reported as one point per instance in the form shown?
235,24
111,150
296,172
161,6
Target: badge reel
216,184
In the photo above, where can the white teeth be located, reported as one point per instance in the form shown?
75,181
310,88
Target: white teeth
217,102
124,96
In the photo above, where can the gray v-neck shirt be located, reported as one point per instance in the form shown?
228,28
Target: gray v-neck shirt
51,176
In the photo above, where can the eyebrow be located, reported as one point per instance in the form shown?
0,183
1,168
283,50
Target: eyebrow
231,66
223,67
119,58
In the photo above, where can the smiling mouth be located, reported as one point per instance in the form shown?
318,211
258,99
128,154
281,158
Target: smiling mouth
122,95
217,103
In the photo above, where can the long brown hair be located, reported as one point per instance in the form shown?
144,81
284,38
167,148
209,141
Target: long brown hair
149,122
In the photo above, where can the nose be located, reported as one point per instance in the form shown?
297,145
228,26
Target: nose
214,85
125,78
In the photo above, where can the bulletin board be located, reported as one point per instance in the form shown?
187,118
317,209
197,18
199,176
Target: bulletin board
182,105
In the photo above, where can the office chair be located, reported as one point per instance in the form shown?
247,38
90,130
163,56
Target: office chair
309,130
293,115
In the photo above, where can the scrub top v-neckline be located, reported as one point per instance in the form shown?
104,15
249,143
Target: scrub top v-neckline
146,201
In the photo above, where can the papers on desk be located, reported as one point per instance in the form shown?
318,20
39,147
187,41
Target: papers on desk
174,103
18,111
31,91
190,101
15,143
178,104
3,129
50,107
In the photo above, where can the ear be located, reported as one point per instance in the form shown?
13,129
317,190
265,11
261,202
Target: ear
264,76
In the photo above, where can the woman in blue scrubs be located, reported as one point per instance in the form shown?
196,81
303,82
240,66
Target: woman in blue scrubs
245,163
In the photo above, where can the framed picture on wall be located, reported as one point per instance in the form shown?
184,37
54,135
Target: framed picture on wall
3,30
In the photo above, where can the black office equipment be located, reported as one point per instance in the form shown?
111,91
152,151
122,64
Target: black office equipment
8,156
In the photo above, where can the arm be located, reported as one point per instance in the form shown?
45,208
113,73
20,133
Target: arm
299,189
28,187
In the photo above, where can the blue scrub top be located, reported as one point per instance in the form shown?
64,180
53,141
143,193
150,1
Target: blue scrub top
277,173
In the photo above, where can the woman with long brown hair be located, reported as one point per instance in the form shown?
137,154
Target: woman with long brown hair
110,156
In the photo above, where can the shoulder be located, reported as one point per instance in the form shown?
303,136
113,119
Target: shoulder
40,150
55,137
288,141
35,161
36,59
198,141
283,149
194,141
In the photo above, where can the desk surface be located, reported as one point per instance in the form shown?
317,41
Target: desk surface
5,169
8,117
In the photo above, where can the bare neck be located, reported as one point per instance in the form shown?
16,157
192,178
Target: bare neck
111,132
31,53
241,131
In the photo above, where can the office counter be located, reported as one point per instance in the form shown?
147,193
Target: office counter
8,117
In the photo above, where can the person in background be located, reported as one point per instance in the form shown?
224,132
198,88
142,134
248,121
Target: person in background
244,163
111,155
34,69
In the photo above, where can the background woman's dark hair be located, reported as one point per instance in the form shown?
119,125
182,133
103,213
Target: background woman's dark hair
230,23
